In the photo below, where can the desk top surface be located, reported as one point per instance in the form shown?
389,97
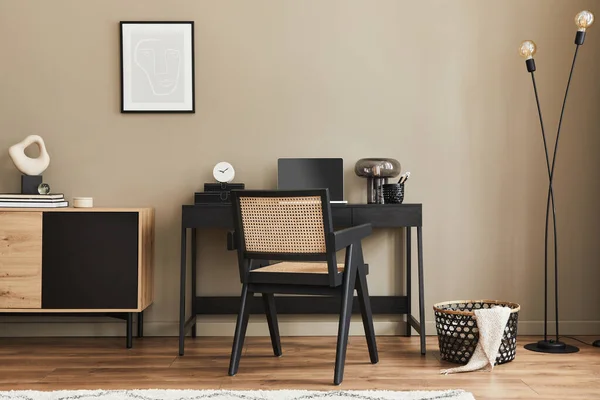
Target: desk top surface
333,205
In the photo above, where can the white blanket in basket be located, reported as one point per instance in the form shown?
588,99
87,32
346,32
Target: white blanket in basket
491,323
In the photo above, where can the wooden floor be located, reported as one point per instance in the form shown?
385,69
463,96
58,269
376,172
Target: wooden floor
307,363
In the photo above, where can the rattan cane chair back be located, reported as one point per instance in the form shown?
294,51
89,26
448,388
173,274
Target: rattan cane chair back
283,224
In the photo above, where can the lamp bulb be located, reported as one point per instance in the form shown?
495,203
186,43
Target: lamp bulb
527,49
583,20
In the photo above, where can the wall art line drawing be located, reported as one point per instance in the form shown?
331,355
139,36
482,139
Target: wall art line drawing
157,66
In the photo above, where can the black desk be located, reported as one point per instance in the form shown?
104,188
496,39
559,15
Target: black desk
404,216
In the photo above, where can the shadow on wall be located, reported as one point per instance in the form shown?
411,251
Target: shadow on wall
10,179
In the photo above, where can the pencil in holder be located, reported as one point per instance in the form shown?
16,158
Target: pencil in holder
393,193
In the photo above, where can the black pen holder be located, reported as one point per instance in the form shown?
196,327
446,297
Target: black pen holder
393,193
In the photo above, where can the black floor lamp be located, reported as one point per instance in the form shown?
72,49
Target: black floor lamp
527,49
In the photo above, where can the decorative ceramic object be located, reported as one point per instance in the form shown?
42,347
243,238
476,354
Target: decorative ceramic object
27,165
83,202
377,171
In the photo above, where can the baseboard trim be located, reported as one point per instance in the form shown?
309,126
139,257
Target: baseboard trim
224,326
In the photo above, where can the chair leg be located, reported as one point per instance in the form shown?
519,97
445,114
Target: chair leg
344,324
240,331
367,315
271,312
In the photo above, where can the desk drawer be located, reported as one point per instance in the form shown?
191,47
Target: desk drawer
387,215
341,217
208,216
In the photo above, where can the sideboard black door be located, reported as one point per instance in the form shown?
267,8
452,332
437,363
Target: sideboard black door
90,260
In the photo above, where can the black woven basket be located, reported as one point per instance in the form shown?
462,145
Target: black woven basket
393,193
458,334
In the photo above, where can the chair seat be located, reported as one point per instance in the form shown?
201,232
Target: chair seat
298,268
301,268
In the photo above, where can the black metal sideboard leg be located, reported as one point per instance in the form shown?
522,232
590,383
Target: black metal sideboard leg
140,324
129,330
408,280
194,253
182,290
421,285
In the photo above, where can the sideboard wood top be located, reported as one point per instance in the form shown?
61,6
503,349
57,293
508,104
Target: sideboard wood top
81,209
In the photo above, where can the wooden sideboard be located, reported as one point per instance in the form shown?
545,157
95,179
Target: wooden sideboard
77,261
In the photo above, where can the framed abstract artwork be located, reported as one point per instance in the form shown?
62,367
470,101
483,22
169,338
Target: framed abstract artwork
157,67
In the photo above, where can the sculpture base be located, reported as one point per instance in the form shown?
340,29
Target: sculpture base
551,346
30,184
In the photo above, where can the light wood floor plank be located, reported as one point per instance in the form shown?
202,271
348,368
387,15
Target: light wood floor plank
307,363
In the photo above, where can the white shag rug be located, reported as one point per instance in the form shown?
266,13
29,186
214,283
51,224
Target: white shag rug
161,394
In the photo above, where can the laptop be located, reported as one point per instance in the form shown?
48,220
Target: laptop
312,173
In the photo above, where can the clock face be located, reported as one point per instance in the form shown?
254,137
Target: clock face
223,172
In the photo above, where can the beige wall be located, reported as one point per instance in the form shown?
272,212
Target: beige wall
436,84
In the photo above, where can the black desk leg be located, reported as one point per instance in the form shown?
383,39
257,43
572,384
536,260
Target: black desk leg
408,280
129,330
182,290
194,249
421,294
140,324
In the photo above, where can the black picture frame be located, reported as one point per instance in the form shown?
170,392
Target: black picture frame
147,67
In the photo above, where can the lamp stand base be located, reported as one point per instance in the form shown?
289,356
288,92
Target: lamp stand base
596,343
551,346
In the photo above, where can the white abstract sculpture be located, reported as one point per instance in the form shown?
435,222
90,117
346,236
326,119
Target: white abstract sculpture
27,165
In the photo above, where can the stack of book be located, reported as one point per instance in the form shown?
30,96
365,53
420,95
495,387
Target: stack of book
32,200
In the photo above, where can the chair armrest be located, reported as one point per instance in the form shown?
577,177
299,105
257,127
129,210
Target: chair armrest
346,237
231,244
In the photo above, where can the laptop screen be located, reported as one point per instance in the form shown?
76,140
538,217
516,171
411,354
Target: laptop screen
312,173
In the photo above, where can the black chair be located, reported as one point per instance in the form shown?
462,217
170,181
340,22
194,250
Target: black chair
286,244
